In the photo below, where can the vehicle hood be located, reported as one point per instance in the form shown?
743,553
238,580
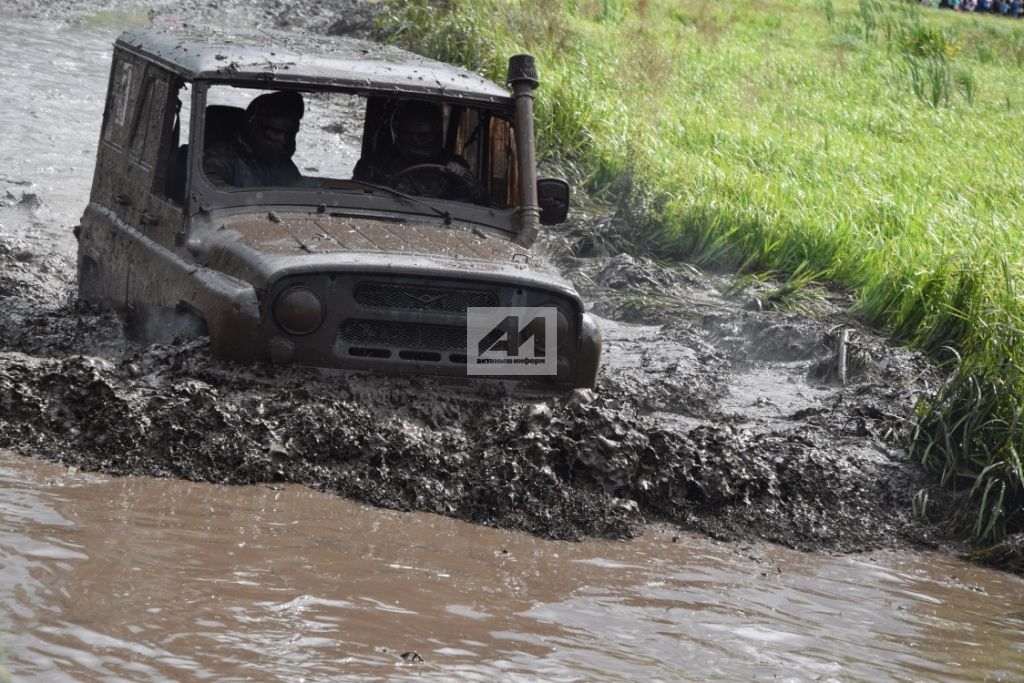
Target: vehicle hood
261,250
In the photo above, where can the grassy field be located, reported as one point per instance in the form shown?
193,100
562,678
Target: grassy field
873,144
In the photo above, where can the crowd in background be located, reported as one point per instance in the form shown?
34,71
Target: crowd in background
1007,8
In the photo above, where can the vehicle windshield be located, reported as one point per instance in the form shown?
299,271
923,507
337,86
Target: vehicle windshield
336,140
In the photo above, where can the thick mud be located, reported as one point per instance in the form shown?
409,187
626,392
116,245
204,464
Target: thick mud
714,412
707,415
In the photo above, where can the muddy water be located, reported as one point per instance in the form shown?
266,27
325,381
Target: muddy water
144,579
53,80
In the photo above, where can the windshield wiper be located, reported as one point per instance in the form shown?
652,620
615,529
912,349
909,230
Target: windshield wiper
446,215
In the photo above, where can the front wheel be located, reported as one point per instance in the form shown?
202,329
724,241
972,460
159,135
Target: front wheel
148,324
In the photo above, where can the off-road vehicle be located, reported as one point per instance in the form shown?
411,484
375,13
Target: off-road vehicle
332,271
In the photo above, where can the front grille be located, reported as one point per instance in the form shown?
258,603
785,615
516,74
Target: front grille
442,299
379,333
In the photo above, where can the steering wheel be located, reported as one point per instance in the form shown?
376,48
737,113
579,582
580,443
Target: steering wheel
433,180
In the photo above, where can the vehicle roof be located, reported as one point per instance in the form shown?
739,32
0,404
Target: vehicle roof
274,58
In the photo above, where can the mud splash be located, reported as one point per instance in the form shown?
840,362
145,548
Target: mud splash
713,420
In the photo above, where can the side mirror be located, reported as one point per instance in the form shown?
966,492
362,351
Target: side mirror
553,199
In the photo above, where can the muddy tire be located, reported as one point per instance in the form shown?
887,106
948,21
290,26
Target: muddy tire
158,325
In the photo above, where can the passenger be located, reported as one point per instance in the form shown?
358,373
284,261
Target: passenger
260,154
414,159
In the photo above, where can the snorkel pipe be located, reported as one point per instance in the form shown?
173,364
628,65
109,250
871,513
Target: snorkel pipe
522,76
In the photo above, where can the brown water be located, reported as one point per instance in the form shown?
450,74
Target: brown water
144,579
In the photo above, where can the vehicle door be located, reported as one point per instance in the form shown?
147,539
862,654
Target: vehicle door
152,159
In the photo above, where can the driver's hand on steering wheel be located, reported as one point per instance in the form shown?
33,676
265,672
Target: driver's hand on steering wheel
461,169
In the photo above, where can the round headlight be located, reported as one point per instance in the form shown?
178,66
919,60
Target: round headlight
299,310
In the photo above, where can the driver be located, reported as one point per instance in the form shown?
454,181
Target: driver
416,161
260,154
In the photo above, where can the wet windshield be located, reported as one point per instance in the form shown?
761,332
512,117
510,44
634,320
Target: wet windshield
337,140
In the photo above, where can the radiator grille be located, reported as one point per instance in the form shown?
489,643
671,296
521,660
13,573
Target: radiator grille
379,333
442,299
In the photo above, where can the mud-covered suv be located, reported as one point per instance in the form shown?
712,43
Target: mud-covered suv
332,268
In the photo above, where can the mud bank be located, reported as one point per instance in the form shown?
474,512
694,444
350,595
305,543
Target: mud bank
714,412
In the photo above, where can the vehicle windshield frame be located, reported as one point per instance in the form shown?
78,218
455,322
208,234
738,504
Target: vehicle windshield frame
348,196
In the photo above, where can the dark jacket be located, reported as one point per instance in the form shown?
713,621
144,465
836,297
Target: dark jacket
232,163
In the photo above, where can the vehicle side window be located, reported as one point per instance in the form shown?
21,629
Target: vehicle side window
152,130
169,137
126,81
149,120
467,142
502,167
487,143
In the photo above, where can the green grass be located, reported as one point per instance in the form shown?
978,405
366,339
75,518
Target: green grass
874,143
